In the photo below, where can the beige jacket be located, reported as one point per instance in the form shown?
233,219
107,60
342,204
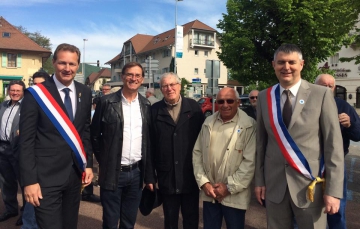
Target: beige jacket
238,164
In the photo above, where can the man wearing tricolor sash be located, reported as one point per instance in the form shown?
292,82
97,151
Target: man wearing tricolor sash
300,162
55,148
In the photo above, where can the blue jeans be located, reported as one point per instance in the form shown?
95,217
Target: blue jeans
338,221
213,214
122,203
28,217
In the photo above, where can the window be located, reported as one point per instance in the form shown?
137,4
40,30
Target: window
204,70
196,52
206,53
11,57
6,34
334,59
196,71
166,53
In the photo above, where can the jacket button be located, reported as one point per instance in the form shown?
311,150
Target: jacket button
177,190
175,134
176,162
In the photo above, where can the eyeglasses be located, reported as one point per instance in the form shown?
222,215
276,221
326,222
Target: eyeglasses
172,85
253,97
228,101
105,89
17,91
131,75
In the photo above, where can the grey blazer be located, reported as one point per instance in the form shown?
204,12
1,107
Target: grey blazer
315,128
14,135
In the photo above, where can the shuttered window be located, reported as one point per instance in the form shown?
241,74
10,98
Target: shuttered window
11,59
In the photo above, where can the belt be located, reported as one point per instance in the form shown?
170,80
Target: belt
5,142
128,168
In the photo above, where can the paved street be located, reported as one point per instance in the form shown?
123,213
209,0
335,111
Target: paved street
90,213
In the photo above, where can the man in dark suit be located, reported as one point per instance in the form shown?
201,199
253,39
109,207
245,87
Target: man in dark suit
298,137
251,110
51,172
120,138
9,157
176,123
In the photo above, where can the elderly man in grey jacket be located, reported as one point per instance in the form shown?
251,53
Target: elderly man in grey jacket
224,162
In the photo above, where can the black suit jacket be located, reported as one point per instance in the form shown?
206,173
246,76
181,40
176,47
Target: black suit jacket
250,112
45,157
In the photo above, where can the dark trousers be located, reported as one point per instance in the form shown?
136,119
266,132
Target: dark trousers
122,203
9,176
189,205
88,190
59,208
214,212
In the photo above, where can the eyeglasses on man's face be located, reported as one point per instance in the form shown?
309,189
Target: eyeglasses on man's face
131,75
172,85
253,97
228,101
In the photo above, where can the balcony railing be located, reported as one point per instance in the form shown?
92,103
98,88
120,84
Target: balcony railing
203,42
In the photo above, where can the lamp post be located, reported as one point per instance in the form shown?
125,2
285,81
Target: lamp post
83,64
175,64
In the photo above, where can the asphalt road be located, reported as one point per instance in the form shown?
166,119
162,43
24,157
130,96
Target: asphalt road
90,214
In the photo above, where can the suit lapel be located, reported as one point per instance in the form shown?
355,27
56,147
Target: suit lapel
78,101
51,87
184,114
300,101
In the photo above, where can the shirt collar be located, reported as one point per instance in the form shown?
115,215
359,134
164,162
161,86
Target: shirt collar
173,104
61,86
124,99
18,102
294,89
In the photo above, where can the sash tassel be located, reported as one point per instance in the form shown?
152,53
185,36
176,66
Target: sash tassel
311,188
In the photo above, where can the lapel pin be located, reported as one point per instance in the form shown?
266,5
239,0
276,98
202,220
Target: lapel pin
301,101
79,97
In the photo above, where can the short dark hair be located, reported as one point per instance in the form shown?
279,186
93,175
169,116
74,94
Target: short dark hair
289,48
41,74
131,65
67,47
18,82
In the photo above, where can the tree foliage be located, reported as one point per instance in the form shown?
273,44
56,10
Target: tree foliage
42,41
355,45
253,29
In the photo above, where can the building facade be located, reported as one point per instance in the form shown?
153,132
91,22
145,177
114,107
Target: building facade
20,56
199,44
347,74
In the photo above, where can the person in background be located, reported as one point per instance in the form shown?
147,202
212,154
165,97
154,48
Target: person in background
298,146
28,218
53,165
176,123
251,110
120,138
350,130
106,89
224,162
9,155
150,95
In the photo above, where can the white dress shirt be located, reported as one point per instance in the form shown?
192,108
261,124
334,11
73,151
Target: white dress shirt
132,136
72,93
7,120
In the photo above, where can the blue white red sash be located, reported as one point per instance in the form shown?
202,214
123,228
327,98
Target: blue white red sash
61,121
287,145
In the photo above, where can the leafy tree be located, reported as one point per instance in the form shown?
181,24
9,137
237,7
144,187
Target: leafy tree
253,29
41,41
184,84
355,44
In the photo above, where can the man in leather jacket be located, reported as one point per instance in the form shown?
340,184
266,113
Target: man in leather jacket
120,137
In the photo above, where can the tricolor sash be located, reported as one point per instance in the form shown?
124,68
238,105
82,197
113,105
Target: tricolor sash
287,145
61,121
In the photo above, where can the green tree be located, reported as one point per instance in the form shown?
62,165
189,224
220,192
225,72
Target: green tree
42,41
355,45
253,29
184,84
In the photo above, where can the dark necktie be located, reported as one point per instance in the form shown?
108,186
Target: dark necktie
67,103
287,109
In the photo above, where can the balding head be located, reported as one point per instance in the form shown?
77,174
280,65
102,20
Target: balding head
228,103
149,92
326,80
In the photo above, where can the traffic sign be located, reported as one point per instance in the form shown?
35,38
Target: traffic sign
153,61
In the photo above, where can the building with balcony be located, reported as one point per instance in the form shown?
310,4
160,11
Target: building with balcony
20,56
199,44
347,74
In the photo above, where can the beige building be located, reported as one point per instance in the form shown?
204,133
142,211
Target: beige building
347,74
20,56
96,79
199,44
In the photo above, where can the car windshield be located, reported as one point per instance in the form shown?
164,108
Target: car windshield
201,101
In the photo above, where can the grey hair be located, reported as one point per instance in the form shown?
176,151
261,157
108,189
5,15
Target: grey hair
170,74
289,48
235,91
321,75
106,84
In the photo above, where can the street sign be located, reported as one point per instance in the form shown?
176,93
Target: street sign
212,69
211,85
153,61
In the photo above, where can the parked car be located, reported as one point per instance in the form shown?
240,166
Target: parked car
206,105
244,101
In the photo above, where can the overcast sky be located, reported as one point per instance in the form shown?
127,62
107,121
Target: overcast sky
107,24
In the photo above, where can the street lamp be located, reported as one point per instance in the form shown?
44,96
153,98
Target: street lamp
175,65
83,64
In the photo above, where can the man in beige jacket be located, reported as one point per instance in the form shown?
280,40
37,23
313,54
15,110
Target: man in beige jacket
224,162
